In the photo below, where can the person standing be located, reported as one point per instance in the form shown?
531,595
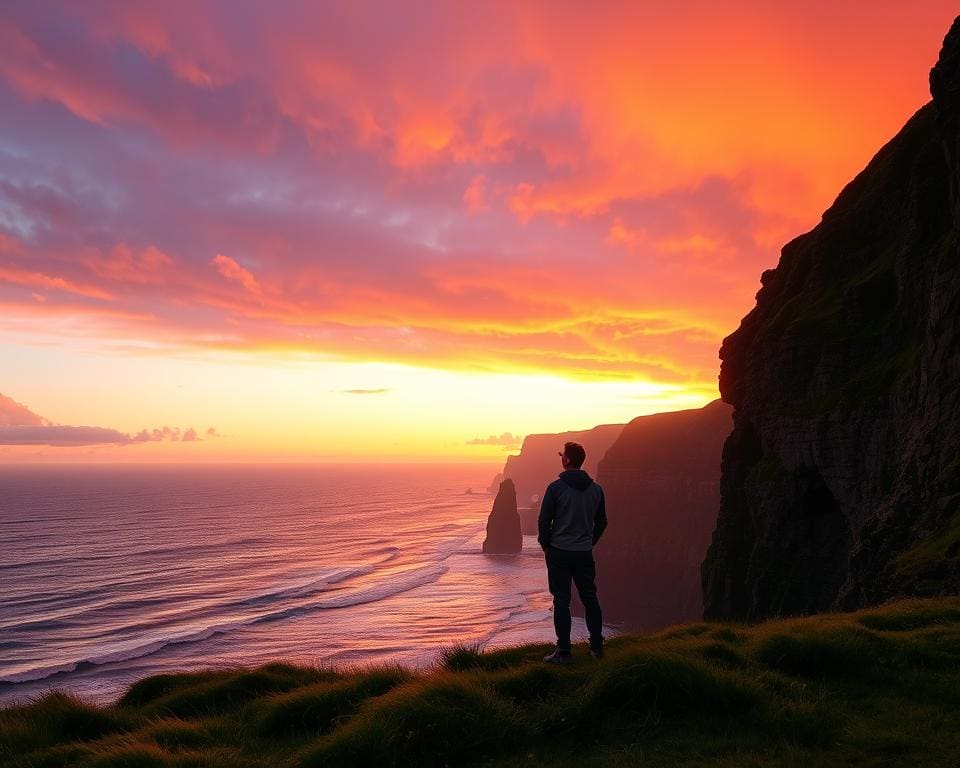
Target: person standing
572,519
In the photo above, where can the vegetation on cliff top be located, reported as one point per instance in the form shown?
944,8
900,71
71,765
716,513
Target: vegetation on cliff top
874,688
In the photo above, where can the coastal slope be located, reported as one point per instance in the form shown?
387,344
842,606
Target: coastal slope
841,479
879,687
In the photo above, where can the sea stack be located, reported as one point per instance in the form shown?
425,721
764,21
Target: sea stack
503,525
841,479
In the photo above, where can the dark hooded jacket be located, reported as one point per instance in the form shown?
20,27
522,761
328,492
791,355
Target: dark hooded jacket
573,515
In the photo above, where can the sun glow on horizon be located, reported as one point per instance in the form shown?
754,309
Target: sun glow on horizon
328,410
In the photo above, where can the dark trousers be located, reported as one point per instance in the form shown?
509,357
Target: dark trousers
562,567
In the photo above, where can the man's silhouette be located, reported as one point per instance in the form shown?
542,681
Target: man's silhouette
572,519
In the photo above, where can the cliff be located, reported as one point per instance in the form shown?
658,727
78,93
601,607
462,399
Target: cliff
503,525
537,464
661,479
841,479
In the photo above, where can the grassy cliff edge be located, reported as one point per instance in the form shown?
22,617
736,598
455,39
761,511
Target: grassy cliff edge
874,688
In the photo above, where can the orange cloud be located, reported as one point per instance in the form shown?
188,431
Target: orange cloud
40,280
231,270
621,234
123,264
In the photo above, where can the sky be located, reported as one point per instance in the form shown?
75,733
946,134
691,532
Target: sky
408,231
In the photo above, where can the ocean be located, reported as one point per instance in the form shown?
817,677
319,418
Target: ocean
112,573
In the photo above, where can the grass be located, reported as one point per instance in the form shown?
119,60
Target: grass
943,545
879,687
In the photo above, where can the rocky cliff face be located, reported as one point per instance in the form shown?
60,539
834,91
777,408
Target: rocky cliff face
841,480
661,480
537,464
503,525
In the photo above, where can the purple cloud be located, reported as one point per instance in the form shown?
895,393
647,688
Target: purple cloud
60,436
504,440
21,426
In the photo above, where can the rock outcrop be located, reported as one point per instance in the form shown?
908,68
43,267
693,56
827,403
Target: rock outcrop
841,479
661,480
503,525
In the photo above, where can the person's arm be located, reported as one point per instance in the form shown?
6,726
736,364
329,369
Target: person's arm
600,520
548,510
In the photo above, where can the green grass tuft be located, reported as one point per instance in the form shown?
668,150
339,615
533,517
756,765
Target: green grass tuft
653,687
910,615
942,545
131,756
815,723
176,735
56,718
533,683
316,709
460,657
442,720
844,652
724,655
217,692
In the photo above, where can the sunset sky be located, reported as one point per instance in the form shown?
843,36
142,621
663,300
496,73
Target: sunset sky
419,230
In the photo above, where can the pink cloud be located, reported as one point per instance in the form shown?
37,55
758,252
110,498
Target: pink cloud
475,195
231,270
125,265
13,414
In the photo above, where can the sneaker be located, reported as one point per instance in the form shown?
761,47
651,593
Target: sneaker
558,657
597,653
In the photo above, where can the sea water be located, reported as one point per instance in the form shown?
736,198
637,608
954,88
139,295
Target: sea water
112,573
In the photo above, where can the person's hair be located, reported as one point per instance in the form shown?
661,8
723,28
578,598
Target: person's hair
575,453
